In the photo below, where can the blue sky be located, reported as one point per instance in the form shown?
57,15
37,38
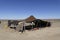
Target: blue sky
21,9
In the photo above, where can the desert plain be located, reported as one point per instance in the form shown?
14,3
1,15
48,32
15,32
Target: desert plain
48,33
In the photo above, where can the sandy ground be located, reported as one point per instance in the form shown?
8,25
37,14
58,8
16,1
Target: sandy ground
51,33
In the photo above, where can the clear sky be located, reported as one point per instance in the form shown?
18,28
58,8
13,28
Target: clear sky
21,9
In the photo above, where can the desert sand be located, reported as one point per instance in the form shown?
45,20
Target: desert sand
48,33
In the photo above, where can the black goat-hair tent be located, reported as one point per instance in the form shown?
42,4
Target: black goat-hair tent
41,23
38,24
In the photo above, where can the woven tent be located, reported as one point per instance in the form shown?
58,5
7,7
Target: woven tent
30,19
41,23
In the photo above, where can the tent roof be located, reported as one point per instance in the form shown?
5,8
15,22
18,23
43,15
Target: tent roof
29,19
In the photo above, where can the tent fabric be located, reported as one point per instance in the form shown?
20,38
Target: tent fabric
29,19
